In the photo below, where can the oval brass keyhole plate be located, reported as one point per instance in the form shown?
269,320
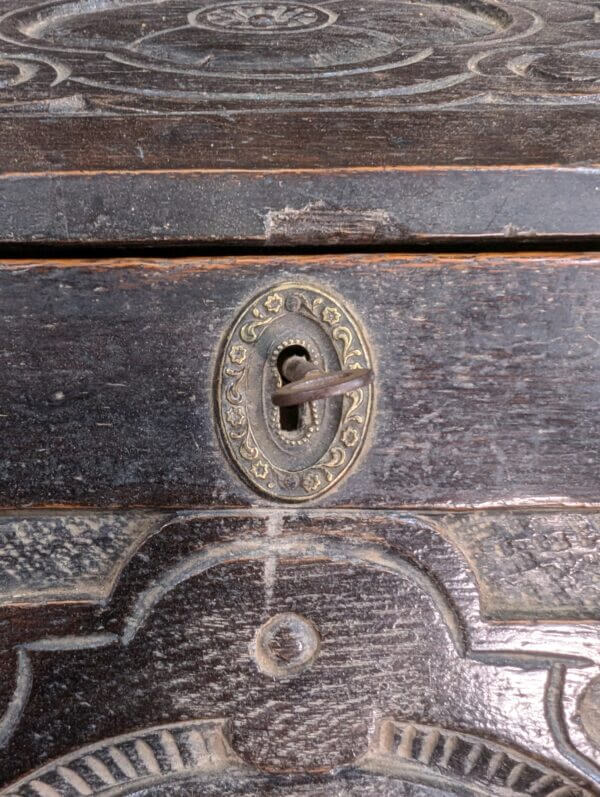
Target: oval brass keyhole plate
298,454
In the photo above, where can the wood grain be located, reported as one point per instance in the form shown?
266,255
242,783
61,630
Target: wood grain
293,208
429,625
528,565
486,379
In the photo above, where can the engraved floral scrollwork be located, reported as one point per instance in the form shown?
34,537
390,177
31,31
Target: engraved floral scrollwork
355,399
336,459
274,303
327,469
311,304
238,354
260,469
331,316
251,332
350,437
304,463
249,449
235,416
287,481
234,394
311,482
348,353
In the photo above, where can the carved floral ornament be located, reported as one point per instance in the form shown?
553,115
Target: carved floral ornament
264,17
392,55
291,466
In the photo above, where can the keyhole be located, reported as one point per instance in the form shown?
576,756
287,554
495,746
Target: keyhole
290,418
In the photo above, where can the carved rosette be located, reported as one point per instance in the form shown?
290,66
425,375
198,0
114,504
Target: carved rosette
263,17
301,464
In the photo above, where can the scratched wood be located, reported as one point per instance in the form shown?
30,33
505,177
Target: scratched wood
277,652
486,386
115,116
318,207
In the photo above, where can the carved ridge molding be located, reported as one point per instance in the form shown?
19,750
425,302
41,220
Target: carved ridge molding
428,755
450,760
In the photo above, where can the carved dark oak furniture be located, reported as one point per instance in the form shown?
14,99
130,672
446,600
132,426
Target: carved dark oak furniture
232,560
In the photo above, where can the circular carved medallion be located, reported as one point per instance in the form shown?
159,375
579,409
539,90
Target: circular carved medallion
299,455
247,52
263,17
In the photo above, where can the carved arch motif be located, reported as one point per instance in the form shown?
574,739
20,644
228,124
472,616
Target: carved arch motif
461,763
415,552
135,761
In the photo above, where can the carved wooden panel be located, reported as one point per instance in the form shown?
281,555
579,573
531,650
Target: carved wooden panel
282,653
151,641
195,56
298,123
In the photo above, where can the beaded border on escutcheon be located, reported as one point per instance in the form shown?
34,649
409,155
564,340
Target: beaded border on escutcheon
313,422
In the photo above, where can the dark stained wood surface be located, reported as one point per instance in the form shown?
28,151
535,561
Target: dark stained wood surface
527,564
482,136
486,390
167,630
306,207
162,683
167,92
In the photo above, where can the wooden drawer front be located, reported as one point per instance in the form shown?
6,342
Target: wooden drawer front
486,391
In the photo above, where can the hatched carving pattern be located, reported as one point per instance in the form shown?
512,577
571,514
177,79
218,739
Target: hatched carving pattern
460,758
143,759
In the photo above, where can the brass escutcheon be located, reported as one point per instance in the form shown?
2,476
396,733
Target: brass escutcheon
292,453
